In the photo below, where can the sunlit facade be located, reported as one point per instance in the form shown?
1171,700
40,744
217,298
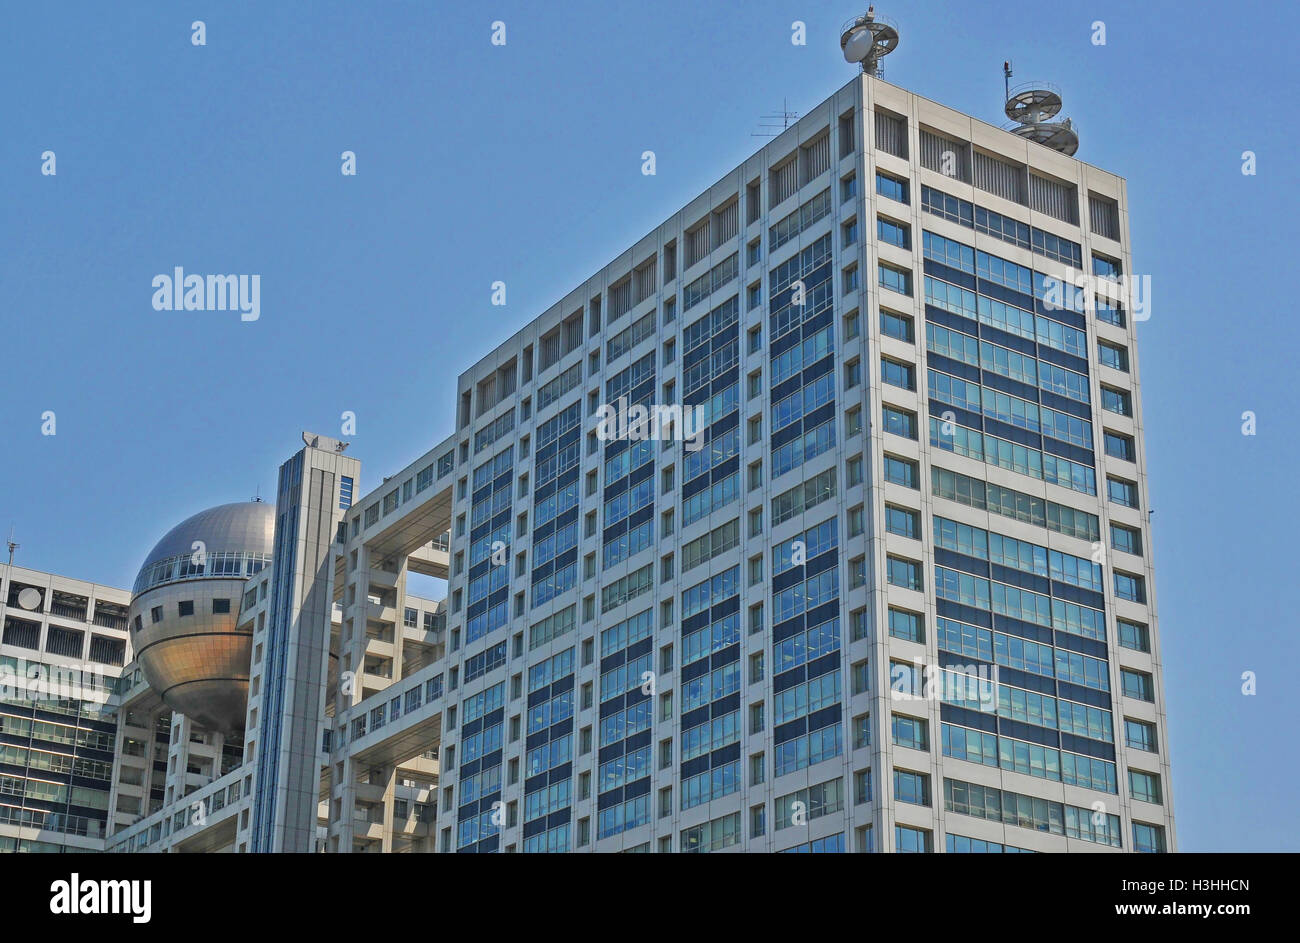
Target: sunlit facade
897,596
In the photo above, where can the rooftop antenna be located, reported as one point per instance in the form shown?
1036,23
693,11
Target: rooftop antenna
13,545
257,497
1031,108
785,117
868,39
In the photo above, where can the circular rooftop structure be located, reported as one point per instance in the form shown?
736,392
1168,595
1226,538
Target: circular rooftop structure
867,39
1033,102
1058,135
185,607
1031,107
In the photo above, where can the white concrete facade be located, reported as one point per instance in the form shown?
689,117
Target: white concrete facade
503,723
62,651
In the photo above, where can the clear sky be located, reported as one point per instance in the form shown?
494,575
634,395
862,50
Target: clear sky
521,163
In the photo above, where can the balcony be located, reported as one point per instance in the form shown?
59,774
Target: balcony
110,615
379,668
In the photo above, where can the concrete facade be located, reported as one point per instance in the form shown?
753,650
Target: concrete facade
63,649
914,457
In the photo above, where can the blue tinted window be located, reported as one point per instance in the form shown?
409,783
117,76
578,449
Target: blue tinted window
1106,268
891,187
896,234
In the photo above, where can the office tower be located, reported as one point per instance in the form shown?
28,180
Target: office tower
928,473
744,548
61,654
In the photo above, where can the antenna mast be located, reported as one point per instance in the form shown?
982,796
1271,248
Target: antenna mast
785,116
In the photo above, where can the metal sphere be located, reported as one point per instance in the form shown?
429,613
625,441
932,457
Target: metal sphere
185,607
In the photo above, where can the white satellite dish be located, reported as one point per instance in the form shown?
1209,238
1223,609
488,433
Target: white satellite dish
858,46
30,598
867,39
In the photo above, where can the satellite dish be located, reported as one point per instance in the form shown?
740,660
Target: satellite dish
858,46
30,598
868,39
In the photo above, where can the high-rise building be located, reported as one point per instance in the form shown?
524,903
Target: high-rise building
62,652
314,493
743,548
927,483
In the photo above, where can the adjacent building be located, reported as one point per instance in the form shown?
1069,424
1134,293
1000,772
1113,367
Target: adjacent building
63,649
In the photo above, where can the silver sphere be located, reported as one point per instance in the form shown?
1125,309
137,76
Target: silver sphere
185,607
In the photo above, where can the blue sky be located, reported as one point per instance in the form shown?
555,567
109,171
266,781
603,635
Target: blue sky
522,163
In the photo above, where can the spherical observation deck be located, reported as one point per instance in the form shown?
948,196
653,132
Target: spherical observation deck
185,606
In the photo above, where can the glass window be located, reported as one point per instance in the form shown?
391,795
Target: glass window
911,787
891,187
1133,635
1127,539
1106,268
896,234
948,252
899,422
909,626
1111,314
1129,586
1149,839
912,840
895,279
1116,401
1137,684
897,374
948,207
1120,446
897,325
905,573
1112,356
901,471
1140,735
1122,492
902,521
911,732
